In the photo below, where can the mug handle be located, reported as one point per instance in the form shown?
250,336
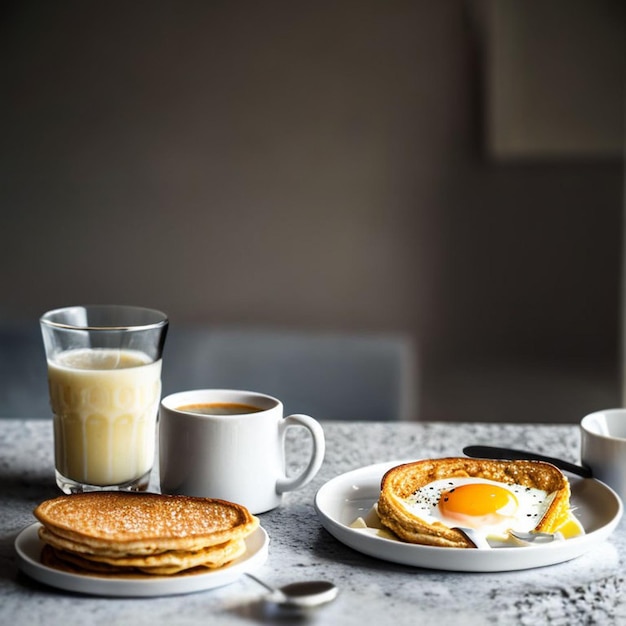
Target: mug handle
317,455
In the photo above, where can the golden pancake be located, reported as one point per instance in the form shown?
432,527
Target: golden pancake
175,560
133,533
74,564
126,523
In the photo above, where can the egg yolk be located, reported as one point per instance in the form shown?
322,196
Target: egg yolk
477,500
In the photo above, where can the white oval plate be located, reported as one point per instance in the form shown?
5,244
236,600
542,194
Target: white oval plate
29,546
348,496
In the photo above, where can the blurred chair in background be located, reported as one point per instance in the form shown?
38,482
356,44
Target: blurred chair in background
23,372
326,375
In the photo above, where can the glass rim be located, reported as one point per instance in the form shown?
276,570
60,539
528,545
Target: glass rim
163,321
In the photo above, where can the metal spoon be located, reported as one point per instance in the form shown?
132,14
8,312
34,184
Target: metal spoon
304,594
532,536
474,537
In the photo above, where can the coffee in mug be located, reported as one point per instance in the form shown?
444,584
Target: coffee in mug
230,445
219,408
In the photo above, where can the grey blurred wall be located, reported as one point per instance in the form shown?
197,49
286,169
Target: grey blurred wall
299,164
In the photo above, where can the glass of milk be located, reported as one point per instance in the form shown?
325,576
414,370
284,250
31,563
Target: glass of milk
104,378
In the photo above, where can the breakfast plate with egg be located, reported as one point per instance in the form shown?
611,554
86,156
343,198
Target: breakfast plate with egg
408,512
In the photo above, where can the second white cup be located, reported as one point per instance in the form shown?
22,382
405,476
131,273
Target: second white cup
603,447
230,444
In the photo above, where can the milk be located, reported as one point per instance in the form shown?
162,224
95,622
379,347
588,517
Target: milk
105,404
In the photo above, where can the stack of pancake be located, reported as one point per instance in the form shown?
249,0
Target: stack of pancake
123,533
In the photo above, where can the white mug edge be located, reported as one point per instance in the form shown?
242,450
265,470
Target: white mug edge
584,425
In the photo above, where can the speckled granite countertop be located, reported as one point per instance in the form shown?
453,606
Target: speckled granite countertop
587,590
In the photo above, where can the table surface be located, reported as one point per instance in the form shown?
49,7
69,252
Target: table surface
586,590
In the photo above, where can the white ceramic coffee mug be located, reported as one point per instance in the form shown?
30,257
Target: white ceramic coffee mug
230,444
603,447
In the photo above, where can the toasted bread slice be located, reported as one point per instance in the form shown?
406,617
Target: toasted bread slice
402,481
117,524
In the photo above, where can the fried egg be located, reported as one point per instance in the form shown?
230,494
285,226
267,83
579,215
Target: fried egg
490,507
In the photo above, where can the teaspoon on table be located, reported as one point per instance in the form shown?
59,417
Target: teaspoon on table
509,454
306,594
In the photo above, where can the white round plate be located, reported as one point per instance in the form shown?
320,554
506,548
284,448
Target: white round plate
348,496
29,546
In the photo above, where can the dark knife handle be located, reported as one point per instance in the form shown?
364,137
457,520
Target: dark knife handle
508,454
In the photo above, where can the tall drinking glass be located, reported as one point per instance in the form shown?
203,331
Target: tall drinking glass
104,378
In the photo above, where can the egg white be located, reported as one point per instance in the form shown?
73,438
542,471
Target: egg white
532,505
